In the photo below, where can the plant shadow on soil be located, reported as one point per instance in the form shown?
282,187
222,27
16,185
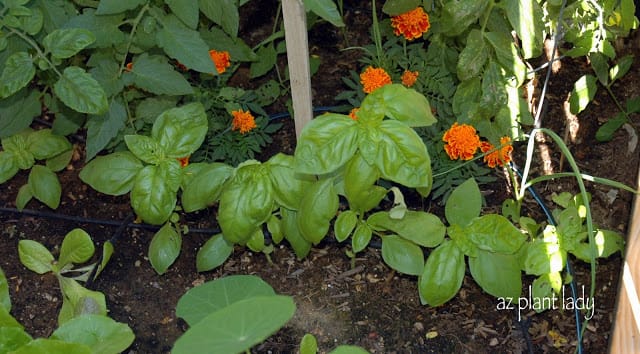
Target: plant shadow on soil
369,305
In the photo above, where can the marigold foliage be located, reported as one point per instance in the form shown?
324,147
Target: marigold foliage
242,121
462,141
374,78
412,24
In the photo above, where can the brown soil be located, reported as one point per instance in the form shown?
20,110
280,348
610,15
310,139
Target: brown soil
369,305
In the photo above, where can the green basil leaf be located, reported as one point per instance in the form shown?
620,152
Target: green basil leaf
164,248
76,248
326,143
544,257
458,15
81,92
32,24
5,300
8,166
245,203
274,225
24,196
43,144
507,54
154,74
17,73
397,102
45,186
359,184
60,161
180,131
345,224
419,227
145,148
494,233
402,156
12,338
204,188
78,301
213,253
610,127
544,287
497,274
607,243
64,43
442,275
112,174
398,7
101,333
288,186
267,57
185,45
35,256
318,206
292,233
621,68
308,344
151,197
464,203
361,237
462,240
402,255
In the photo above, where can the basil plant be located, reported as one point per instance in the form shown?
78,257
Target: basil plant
151,171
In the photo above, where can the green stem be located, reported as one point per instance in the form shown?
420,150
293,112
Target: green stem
35,46
134,27
617,103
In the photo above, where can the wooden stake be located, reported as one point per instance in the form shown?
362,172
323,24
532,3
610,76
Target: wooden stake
295,34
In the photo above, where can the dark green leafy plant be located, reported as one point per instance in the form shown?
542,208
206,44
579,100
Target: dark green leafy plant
20,152
85,333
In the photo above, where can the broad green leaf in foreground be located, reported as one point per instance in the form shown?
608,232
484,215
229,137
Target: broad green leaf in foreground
217,294
18,71
112,174
442,275
45,186
237,327
101,333
185,45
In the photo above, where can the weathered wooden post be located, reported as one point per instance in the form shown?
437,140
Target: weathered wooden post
626,323
295,34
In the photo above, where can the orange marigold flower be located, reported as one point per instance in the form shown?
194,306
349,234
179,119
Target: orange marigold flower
243,121
184,161
221,59
352,113
498,157
409,77
374,78
412,24
462,141
129,66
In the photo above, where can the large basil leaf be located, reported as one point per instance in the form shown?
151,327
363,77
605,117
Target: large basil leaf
494,233
45,186
151,196
402,156
326,143
402,255
180,131
497,274
145,148
419,227
245,203
154,74
317,207
184,45
8,166
101,333
43,144
288,186
81,92
400,103
544,257
164,248
64,43
112,174
464,203
359,184
205,187
442,275
213,253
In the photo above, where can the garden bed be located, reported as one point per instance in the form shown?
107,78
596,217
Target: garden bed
369,305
